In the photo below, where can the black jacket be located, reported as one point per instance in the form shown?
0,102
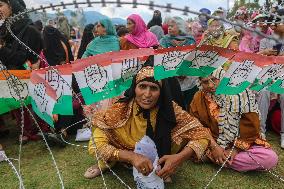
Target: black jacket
14,55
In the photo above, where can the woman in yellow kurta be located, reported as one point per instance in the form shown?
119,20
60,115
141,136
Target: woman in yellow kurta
217,36
146,110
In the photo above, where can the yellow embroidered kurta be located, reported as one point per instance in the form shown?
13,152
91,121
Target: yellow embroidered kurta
120,128
225,41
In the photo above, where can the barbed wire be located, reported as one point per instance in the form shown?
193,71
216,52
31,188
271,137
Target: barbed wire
21,186
21,139
22,122
151,5
23,105
274,174
135,3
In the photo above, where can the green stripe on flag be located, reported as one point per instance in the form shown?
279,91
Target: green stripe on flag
44,116
276,87
64,106
109,91
257,87
161,73
186,70
123,85
224,88
8,104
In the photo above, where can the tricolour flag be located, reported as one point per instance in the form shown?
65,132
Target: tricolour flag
277,86
43,97
267,75
241,74
108,75
14,87
60,79
277,75
204,60
167,61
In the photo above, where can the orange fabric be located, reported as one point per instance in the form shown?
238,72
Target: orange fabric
234,45
21,74
249,123
126,45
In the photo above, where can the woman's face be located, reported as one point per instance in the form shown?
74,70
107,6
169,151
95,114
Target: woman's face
173,28
147,94
215,28
130,25
5,10
197,31
100,29
209,84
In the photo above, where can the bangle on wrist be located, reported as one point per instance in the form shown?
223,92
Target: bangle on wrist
213,146
116,155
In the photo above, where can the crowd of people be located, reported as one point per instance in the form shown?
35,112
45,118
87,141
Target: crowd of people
182,115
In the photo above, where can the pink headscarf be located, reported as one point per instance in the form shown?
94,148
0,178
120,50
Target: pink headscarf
141,37
250,43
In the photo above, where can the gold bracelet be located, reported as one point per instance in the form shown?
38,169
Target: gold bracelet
213,147
116,155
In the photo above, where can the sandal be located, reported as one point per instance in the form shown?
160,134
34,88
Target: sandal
92,172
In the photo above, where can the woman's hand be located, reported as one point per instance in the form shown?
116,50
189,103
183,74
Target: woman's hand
171,163
233,155
55,118
143,164
218,154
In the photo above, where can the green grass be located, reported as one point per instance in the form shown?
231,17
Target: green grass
39,172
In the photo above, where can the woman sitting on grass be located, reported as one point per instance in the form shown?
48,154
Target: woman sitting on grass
146,110
229,118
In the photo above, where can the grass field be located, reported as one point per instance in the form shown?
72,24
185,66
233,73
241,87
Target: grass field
39,173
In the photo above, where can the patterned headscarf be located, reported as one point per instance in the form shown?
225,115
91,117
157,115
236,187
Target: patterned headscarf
147,74
231,108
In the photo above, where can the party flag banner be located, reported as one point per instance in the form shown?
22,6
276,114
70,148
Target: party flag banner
167,61
43,98
60,79
95,82
126,64
277,86
123,72
267,75
108,75
14,89
203,61
239,77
